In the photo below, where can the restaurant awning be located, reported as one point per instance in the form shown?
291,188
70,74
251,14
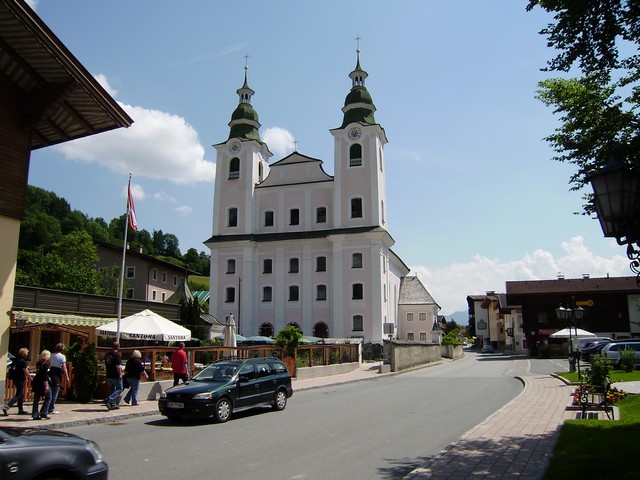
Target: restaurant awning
23,317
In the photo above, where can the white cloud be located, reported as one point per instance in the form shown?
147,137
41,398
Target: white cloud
281,142
450,285
164,197
158,145
184,210
104,82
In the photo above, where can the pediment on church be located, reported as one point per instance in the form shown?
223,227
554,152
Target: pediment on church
295,169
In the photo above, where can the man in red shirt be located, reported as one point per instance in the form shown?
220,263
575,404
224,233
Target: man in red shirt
179,365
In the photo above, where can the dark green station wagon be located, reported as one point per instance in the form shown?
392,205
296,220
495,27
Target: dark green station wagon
228,386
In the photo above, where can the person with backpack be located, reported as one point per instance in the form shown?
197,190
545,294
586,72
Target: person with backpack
19,373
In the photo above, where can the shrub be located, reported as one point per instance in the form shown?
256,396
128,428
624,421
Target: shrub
289,338
600,368
85,374
627,360
302,359
451,338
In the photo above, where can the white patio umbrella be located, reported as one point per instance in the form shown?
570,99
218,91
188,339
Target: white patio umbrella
146,325
572,332
230,335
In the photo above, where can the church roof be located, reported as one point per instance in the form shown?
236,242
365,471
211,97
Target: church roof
358,105
295,169
413,292
244,119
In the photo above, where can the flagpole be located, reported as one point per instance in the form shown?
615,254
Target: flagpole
124,254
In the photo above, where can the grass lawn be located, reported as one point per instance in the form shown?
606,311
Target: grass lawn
598,448
614,376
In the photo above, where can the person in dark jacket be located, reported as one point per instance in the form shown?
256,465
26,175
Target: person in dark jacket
41,387
113,365
20,378
133,370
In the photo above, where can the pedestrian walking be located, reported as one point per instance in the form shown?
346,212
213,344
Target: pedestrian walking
41,387
133,371
20,378
58,374
179,365
113,364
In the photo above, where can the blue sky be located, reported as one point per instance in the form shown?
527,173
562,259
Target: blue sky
473,197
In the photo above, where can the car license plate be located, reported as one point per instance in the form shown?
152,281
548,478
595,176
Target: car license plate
175,405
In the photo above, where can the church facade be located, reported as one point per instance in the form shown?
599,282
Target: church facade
294,245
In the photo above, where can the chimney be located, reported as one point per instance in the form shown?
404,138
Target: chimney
585,275
560,276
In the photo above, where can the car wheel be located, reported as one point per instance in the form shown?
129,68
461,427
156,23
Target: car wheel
280,400
223,410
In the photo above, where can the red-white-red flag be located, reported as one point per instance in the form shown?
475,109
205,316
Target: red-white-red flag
133,221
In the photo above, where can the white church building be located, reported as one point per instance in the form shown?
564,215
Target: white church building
294,245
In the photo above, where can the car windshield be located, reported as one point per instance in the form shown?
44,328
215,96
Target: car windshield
216,372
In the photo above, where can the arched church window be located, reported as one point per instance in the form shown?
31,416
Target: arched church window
234,168
355,155
321,330
356,208
232,218
266,330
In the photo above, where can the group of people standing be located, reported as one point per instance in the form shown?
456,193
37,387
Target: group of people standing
133,371
51,373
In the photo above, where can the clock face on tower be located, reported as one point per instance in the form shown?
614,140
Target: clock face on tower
235,147
354,133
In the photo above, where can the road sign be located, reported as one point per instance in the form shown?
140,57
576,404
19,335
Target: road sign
585,303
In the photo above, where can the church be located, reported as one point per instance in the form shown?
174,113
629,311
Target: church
292,245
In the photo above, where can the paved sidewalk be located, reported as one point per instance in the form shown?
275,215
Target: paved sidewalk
515,442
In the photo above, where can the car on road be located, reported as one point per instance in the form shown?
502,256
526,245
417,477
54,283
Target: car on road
487,349
229,386
29,453
584,342
595,347
612,351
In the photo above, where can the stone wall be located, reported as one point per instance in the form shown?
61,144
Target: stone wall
303,373
451,351
405,354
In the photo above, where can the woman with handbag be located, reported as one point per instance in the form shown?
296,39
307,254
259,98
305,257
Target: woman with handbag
41,387
133,370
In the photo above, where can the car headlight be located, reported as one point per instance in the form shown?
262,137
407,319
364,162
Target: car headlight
203,396
163,394
95,451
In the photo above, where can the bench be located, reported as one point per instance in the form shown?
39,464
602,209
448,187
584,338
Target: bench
594,397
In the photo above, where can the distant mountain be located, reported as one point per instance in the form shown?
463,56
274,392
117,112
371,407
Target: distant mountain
461,317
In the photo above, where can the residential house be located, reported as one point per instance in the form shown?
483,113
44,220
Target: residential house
611,306
146,277
417,312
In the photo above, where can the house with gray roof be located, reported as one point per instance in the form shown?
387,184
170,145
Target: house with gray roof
417,312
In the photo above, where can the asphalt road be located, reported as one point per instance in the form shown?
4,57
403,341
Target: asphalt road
375,429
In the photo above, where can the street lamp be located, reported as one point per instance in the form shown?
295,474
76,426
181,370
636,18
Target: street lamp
616,199
571,315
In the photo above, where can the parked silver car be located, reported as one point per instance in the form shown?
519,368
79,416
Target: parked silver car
612,351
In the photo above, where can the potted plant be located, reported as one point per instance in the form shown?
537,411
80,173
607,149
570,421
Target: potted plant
85,377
